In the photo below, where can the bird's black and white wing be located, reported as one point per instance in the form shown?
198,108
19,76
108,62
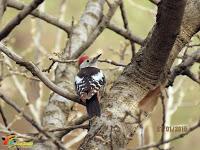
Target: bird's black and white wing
89,80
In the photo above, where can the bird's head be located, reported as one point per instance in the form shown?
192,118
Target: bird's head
84,61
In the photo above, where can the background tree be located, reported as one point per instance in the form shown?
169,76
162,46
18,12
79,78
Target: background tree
134,84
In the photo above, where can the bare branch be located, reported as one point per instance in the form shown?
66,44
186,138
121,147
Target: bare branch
192,76
189,27
20,16
58,109
112,62
125,34
141,77
124,15
184,68
67,28
70,128
37,13
75,60
101,26
49,68
36,72
126,26
64,61
163,117
3,116
31,121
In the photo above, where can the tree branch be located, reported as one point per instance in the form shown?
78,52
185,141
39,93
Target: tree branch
126,26
75,60
162,98
3,116
126,34
183,68
39,14
20,16
98,30
67,28
36,72
142,76
58,109
190,26
30,120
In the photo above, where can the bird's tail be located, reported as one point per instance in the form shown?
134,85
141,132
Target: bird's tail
93,106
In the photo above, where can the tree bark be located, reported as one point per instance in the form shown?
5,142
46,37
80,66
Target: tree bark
189,27
120,111
57,111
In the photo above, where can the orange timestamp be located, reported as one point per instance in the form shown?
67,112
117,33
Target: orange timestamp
176,128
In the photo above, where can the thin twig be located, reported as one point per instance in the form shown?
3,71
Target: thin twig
49,68
70,128
63,61
184,68
75,60
163,117
62,13
3,116
22,91
124,16
76,122
127,35
64,131
112,62
126,26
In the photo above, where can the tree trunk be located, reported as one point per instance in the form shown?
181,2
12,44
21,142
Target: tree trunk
120,112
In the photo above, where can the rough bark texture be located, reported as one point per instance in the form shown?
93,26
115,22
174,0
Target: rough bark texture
143,76
189,26
57,111
120,106
146,72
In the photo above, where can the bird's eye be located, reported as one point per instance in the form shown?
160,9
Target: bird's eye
87,60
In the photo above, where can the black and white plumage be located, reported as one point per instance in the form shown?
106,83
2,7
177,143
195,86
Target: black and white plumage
88,83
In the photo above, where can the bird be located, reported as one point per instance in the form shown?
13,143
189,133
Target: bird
89,81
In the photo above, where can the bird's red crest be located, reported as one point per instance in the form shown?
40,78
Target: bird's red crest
82,59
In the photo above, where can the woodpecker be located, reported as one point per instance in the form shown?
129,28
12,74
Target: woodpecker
88,83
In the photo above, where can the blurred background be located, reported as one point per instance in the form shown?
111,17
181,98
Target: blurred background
37,40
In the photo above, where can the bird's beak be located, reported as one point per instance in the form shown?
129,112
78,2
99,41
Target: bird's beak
94,59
